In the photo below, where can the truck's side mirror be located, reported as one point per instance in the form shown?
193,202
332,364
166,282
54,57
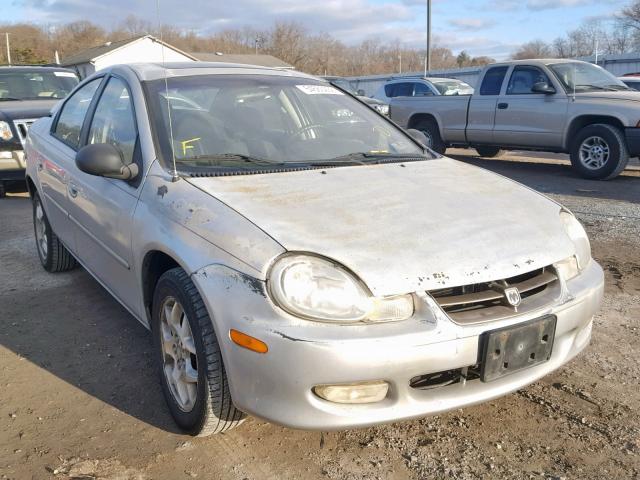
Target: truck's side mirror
543,87
104,160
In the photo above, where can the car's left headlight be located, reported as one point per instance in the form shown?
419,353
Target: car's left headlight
575,231
5,131
316,288
383,109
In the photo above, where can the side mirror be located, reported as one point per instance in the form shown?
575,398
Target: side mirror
419,137
543,87
104,160
361,93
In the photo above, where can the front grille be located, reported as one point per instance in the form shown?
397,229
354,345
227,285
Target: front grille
481,302
22,127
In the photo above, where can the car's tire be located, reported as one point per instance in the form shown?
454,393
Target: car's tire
3,191
489,152
599,152
204,406
430,128
53,255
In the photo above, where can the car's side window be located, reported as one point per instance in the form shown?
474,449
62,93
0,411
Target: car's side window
389,90
421,90
523,78
404,89
114,120
492,81
72,115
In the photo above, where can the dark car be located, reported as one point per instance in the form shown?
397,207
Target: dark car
346,85
26,94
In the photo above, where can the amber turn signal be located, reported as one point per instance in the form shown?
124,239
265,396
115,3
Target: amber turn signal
248,342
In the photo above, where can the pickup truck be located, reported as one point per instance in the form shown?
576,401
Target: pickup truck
558,105
26,94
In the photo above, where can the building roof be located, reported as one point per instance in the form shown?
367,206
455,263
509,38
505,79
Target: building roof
242,58
93,53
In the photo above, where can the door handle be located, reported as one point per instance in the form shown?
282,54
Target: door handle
503,106
73,190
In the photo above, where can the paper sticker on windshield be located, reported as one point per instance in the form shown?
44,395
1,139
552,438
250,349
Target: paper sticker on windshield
65,74
319,90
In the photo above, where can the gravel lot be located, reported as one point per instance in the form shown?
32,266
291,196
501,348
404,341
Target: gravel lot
79,397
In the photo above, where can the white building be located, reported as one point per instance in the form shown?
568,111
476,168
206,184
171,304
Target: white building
144,48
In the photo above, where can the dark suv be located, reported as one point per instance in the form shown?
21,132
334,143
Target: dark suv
26,94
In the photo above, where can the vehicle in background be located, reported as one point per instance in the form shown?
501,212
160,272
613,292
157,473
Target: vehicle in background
346,85
266,232
26,94
631,81
559,105
422,87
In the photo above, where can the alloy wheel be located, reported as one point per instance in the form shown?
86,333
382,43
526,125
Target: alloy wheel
41,231
594,152
180,364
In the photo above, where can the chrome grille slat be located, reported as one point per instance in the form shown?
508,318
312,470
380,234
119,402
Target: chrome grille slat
486,301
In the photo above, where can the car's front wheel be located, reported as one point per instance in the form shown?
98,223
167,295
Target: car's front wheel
489,152
430,129
194,381
53,255
599,152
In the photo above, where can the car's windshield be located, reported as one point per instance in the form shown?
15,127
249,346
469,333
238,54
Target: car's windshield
36,85
453,87
344,84
585,77
252,122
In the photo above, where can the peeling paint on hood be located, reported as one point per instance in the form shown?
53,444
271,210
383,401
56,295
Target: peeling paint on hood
404,227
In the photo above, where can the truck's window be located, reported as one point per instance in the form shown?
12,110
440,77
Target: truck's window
73,112
403,89
421,90
114,121
523,78
492,81
19,84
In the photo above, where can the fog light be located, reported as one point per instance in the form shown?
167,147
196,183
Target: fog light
363,392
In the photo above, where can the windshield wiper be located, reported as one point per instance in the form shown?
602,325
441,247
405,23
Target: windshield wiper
9,99
230,157
597,87
373,158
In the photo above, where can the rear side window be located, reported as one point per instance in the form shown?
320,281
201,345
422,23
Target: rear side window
73,112
492,81
403,89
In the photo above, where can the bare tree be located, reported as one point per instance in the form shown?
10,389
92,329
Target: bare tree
533,49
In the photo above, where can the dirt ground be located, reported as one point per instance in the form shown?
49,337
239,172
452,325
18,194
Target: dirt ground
79,397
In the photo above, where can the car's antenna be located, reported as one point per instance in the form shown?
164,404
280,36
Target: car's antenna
174,173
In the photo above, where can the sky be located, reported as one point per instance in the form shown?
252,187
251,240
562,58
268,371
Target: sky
481,27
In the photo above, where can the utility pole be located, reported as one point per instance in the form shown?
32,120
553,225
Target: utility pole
6,34
400,58
427,62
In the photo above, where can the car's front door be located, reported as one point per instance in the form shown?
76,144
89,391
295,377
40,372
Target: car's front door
526,118
57,160
101,209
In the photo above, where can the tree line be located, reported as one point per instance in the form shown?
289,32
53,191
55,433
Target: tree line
315,53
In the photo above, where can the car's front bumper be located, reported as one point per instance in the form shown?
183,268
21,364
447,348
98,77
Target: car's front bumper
12,164
277,386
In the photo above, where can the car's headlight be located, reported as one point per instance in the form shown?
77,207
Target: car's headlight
5,131
383,109
316,288
578,236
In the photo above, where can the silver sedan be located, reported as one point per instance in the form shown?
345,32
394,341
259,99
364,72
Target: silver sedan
296,255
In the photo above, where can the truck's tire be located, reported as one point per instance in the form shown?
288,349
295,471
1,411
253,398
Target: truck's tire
192,374
599,152
489,152
430,128
53,255
3,191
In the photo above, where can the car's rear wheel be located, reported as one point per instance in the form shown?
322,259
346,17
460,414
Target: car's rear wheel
194,381
599,152
430,128
489,152
53,255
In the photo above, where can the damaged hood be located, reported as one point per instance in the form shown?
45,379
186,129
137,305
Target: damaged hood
404,227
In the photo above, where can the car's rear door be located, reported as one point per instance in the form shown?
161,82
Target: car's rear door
482,107
101,209
528,119
56,159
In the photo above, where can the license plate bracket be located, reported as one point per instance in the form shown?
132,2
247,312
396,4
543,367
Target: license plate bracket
516,347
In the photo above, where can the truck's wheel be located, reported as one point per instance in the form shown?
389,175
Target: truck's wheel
3,191
432,132
53,255
192,374
489,152
599,152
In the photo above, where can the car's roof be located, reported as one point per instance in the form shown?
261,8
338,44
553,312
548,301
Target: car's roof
428,79
537,61
33,68
155,71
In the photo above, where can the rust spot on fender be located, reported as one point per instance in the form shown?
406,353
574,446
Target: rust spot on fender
162,191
